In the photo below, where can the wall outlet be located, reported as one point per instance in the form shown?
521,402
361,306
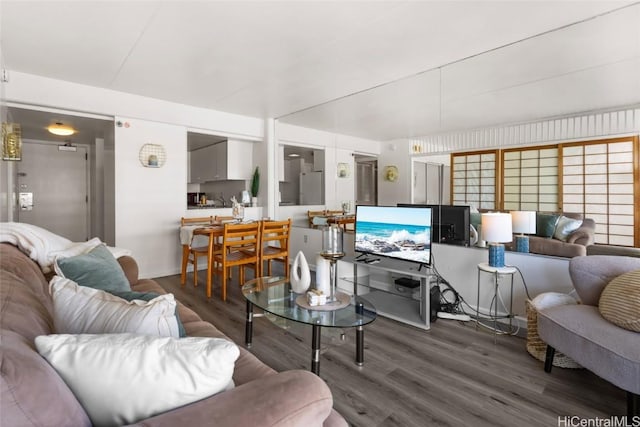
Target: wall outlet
305,238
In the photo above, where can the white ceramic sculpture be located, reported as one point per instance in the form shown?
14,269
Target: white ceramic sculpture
323,281
300,276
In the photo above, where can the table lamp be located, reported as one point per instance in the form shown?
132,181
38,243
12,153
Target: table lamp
496,229
523,222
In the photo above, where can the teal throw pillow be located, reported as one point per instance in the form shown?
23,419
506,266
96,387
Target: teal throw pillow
148,296
546,224
97,269
476,219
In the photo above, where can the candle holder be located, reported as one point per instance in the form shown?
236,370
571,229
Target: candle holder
332,250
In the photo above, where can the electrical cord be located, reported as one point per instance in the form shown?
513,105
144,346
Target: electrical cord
457,305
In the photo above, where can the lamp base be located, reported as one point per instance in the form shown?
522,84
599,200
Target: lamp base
522,244
496,255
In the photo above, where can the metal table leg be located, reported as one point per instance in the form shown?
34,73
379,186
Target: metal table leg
315,350
359,345
478,303
248,330
495,309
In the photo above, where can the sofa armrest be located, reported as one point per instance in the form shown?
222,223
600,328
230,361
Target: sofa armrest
590,274
130,268
582,236
285,399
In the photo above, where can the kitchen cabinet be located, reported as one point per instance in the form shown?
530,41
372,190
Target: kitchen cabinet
202,165
229,160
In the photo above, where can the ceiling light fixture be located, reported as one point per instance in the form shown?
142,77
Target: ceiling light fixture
60,129
294,155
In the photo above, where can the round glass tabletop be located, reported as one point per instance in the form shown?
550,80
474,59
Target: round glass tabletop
273,294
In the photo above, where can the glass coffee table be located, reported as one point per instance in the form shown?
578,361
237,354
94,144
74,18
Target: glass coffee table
273,294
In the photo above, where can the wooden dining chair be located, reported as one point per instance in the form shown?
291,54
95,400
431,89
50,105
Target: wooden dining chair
274,244
240,247
193,248
313,214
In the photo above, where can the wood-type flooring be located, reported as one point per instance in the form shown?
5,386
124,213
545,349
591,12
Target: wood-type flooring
451,375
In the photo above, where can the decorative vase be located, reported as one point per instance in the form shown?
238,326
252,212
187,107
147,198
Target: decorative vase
254,202
300,276
323,281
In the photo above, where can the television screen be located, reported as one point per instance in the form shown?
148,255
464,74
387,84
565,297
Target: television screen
397,232
451,223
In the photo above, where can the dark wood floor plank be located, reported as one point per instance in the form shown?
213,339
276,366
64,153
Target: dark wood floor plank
451,375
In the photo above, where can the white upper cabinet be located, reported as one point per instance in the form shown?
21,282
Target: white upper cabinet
229,160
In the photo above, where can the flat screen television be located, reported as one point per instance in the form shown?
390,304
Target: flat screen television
451,223
402,233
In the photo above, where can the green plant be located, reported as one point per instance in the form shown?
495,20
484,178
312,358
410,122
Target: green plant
255,182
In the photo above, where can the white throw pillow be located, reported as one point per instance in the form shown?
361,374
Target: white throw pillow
123,378
83,310
566,226
552,299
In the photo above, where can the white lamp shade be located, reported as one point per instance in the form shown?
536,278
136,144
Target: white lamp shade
523,222
496,227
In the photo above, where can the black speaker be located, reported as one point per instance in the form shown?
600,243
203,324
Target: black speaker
434,302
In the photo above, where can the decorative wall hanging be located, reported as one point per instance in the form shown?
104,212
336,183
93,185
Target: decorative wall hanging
152,156
391,173
11,141
343,170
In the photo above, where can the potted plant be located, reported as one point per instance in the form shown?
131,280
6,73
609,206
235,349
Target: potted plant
255,187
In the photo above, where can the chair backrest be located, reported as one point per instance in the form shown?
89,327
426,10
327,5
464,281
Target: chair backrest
334,213
312,214
245,237
224,218
204,220
275,233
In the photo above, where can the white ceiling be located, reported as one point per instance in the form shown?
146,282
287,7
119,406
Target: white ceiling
271,59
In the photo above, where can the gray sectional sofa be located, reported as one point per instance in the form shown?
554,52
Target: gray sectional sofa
32,393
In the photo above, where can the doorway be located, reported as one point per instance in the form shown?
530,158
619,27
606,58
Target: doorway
52,189
366,180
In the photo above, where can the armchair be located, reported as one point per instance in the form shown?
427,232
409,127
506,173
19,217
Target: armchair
583,334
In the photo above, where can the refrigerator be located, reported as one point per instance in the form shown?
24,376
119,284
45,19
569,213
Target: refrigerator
311,188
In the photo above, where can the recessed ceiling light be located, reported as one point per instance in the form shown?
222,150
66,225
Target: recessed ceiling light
60,129
294,155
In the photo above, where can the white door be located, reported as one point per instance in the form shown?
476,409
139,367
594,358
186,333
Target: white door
52,187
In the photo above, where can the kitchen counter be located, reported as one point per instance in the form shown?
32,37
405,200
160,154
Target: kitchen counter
206,207
206,210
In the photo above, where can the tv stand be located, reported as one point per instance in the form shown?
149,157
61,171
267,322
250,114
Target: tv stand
375,279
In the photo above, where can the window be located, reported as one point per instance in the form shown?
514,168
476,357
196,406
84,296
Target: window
474,179
531,179
597,181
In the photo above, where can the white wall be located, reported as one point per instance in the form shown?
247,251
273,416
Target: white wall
148,202
395,153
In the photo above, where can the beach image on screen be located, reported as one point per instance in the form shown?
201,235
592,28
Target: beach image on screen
403,233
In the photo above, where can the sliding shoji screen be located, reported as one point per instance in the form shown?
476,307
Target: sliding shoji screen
474,179
598,181
530,177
